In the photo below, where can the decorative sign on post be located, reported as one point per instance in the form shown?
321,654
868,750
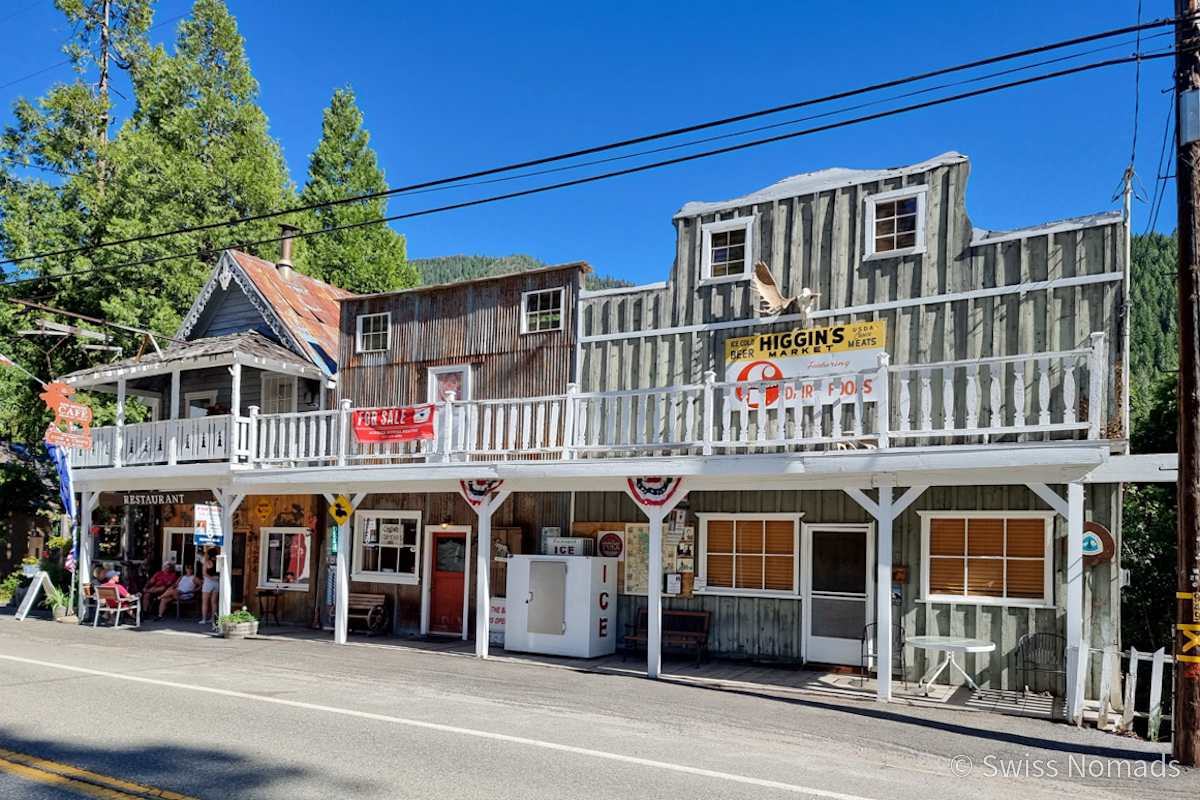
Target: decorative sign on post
206,528
341,510
810,353
406,424
57,396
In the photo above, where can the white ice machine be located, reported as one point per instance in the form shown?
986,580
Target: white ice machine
562,605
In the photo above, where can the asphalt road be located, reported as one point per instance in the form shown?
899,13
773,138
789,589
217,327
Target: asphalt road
268,718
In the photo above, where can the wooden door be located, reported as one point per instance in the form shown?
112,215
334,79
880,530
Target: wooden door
450,556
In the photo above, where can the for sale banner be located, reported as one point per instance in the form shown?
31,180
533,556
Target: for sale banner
393,424
835,353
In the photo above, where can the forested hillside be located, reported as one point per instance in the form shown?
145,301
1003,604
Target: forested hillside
447,269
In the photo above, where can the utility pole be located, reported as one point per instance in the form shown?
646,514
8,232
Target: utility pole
1187,175
103,91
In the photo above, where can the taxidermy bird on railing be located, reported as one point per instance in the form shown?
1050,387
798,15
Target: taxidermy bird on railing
772,302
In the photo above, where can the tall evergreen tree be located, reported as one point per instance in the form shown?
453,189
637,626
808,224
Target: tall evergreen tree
367,259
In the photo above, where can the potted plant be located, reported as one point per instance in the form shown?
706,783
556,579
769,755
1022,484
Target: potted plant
58,601
8,588
238,625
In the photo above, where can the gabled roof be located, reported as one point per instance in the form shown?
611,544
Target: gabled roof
302,312
820,181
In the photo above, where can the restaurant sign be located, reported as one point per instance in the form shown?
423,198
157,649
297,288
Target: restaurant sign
372,425
836,352
57,396
154,498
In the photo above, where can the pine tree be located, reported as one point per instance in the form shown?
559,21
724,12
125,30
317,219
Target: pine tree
367,259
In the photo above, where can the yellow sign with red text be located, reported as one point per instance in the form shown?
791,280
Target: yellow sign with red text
831,356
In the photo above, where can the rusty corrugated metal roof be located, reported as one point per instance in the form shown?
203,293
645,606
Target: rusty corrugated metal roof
308,307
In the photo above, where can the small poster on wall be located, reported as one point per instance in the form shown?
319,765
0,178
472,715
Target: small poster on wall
547,535
390,534
611,544
370,532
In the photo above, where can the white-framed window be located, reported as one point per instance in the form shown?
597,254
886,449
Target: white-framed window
443,380
726,248
283,558
895,223
749,554
196,404
373,332
990,557
387,546
278,393
542,311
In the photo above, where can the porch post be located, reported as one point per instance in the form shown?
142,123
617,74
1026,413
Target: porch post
484,498
341,596
83,560
656,497
119,437
173,438
1076,657
229,503
883,598
235,390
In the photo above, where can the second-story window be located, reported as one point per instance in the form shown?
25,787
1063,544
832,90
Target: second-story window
542,311
896,223
726,253
373,332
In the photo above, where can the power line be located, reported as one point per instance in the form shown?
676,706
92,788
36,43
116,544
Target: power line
1160,183
618,173
613,146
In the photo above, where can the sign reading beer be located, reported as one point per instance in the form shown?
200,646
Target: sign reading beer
838,351
393,424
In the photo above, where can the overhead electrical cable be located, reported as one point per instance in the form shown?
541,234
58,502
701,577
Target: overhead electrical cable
615,145
608,175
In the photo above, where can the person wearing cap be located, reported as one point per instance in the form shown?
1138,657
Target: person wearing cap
113,578
160,581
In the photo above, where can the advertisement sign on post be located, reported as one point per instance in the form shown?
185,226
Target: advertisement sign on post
373,425
835,352
206,529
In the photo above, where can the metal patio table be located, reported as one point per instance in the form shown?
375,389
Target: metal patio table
950,645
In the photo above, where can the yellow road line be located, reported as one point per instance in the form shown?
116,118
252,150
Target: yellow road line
81,781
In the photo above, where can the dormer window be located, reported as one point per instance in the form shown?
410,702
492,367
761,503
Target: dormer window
373,332
895,223
727,247
541,311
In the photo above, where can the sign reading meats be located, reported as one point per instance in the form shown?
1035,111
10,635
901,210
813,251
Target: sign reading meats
372,425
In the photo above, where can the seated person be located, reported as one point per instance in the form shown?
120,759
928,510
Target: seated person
184,590
161,581
113,578
98,575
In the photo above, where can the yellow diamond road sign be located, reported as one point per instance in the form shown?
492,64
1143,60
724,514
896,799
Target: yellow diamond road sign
340,510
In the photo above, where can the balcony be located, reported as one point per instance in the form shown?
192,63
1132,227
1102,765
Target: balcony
1009,399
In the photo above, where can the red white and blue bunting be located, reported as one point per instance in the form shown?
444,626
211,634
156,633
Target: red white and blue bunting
477,492
653,492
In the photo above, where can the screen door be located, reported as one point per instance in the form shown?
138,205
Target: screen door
838,596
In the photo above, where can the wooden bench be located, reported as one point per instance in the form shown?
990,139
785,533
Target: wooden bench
370,610
685,628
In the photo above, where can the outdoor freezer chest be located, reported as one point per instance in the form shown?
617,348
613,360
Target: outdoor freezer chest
562,605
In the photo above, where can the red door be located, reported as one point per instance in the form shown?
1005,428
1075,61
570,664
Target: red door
448,582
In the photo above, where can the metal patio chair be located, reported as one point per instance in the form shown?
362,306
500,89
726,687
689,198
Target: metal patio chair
898,655
1041,652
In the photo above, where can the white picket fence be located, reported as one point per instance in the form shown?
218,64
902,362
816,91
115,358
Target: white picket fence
1136,666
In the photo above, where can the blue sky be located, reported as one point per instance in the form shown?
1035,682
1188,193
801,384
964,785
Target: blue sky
449,88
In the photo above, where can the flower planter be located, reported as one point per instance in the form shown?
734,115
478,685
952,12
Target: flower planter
239,630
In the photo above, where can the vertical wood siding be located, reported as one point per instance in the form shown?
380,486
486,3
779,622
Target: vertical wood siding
770,629
816,241
476,323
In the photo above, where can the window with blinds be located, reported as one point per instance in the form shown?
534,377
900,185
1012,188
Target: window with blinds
747,553
995,557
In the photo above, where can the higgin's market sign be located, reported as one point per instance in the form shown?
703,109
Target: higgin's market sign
405,424
838,351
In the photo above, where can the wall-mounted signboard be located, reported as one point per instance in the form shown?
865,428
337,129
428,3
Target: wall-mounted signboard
207,530
393,424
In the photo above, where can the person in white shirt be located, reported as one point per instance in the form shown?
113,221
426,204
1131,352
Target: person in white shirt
185,589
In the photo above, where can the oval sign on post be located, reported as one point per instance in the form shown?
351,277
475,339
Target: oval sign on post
1098,544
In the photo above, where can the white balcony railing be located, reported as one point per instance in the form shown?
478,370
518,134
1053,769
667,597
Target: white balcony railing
1017,398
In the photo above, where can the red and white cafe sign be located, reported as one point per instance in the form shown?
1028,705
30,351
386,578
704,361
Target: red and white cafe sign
378,425
835,354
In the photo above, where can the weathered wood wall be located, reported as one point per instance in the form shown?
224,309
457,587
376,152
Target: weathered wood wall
473,322
528,511
816,240
770,628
